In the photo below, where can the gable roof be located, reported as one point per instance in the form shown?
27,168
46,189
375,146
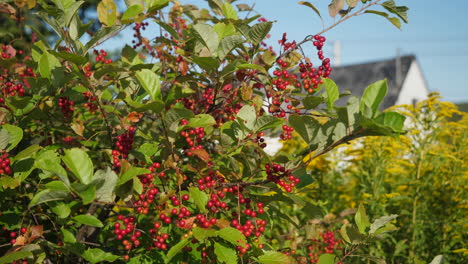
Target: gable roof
357,77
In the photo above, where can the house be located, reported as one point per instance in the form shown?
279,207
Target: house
406,83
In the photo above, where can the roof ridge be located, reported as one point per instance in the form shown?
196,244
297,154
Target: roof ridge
411,56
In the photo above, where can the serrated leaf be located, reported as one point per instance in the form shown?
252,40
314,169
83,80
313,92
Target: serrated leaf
251,67
13,256
95,255
199,197
61,210
131,13
395,21
306,126
106,181
326,259
344,233
202,233
131,173
27,152
89,220
71,57
274,257
362,221
373,96
393,120
233,236
154,5
68,236
258,32
150,82
176,249
78,161
107,12
4,139
228,11
227,44
202,120
400,11
47,196
50,161
15,136
332,92
267,122
208,36
308,4
225,254
248,115
380,222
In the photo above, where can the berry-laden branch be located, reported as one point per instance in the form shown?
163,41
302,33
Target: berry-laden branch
341,20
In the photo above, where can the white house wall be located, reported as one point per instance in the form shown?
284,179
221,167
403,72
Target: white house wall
414,87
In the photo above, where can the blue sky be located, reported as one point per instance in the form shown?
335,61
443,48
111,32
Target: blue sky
437,33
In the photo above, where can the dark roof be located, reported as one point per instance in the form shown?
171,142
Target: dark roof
355,78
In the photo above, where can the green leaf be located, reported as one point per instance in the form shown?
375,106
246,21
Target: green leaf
154,5
50,161
400,11
332,91
27,152
71,57
70,12
107,12
61,210
227,44
202,120
266,122
15,136
233,236
95,255
393,120
380,222
228,11
131,13
9,182
150,82
131,173
248,115
225,254
208,36
362,221
90,220
78,161
176,249
308,4
86,192
207,63
395,21
12,257
311,102
224,30
335,7
326,259
4,139
259,31
199,197
306,126
106,180
344,233
373,95
47,196
274,257
68,236
202,233
56,186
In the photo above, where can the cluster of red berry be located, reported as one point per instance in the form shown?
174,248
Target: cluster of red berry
5,163
139,38
279,175
124,145
90,98
145,200
101,57
327,243
66,106
260,140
